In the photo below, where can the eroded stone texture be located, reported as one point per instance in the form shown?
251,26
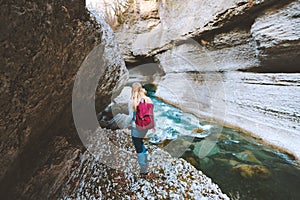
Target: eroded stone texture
277,36
234,50
174,21
43,45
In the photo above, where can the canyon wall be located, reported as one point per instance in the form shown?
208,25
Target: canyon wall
44,44
233,62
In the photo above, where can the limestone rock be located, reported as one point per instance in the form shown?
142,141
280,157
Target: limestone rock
120,103
175,20
114,63
234,50
277,36
233,162
141,17
208,51
44,44
173,177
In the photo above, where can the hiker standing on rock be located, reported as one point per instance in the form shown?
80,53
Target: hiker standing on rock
141,119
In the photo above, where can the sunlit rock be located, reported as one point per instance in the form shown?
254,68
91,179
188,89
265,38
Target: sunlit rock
197,130
252,171
172,21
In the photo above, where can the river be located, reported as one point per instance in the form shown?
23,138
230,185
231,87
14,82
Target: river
244,167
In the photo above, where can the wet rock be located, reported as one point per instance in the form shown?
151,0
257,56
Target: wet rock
197,130
251,171
206,163
186,143
247,156
233,162
221,136
222,161
199,133
192,161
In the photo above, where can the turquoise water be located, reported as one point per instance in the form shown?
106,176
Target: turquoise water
242,166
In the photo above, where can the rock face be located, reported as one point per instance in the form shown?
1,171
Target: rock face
148,12
153,26
43,45
234,50
209,57
277,39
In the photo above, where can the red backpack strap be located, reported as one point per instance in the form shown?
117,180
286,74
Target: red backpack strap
142,100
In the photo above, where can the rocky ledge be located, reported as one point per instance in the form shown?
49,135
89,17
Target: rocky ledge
172,178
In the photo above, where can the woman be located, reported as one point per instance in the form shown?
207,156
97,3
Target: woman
137,94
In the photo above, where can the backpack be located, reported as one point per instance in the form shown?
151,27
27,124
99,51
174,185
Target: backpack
144,115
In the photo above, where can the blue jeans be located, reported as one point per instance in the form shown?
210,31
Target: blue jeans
139,145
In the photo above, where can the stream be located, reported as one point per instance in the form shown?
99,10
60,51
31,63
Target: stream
243,167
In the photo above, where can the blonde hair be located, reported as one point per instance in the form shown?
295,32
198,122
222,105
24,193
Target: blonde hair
138,93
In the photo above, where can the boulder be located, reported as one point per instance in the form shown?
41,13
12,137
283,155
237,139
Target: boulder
44,45
120,103
252,171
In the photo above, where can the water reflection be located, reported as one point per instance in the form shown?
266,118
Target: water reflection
242,166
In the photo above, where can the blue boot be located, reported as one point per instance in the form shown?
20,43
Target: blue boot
145,152
142,160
